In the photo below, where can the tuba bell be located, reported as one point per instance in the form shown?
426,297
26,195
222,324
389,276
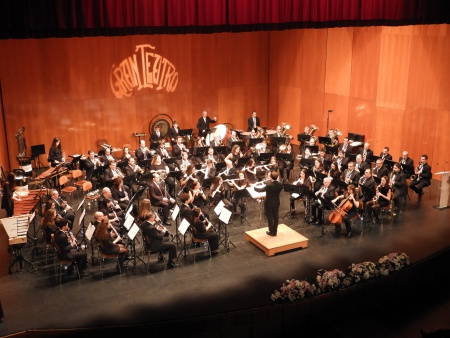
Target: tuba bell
286,127
313,129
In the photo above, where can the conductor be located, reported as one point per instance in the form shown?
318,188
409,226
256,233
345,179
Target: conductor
203,124
272,202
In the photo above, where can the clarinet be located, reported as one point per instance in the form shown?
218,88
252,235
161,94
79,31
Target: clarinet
72,240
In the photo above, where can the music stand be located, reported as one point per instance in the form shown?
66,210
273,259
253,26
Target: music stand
220,150
303,138
265,157
175,238
242,161
254,141
291,189
122,164
145,163
388,164
183,228
324,140
82,226
219,166
36,151
201,151
313,149
352,157
285,157
408,170
223,217
185,132
332,150
278,140
132,231
307,162
374,158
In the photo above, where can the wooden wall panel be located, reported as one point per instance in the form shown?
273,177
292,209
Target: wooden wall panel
444,85
338,119
314,56
339,61
395,53
419,132
427,55
362,116
365,62
388,131
289,112
440,158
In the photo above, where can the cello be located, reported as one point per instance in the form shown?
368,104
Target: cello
340,211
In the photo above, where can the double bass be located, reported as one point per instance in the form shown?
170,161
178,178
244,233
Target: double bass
340,211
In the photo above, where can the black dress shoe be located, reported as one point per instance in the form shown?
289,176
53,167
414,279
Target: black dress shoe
349,234
420,195
215,252
318,222
270,234
173,265
167,224
84,273
160,258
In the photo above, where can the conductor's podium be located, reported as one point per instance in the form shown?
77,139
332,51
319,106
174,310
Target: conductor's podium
285,240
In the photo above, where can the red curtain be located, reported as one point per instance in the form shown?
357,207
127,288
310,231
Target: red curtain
46,18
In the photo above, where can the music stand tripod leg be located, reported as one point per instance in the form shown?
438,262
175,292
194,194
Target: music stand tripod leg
185,250
19,259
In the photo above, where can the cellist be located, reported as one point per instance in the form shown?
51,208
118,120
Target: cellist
349,206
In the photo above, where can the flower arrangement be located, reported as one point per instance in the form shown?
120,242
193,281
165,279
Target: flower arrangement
329,281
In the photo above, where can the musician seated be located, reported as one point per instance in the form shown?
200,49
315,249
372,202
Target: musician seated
91,163
143,153
334,172
366,153
422,177
250,171
235,155
63,209
233,138
111,173
346,147
240,194
214,158
186,206
160,197
49,224
381,199
285,166
126,154
107,157
159,166
327,193
199,197
188,177
341,160
173,132
385,154
108,239
380,170
305,181
156,135
216,141
111,209
361,165
158,239
184,162
217,194
120,193
69,247
208,173
350,175
350,206
179,147
397,181
203,229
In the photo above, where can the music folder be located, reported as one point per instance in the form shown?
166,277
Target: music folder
219,166
220,150
169,160
355,137
292,188
242,161
374,158
377,179
320,176
185,132
389,164
265,156
313,149
303,137
254,141
278,140
145,163
307,162
285,157
324,140
201,151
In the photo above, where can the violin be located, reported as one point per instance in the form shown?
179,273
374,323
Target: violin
340,211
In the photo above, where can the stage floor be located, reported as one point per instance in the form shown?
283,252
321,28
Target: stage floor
242,278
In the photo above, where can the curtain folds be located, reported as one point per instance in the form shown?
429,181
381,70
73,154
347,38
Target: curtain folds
54,18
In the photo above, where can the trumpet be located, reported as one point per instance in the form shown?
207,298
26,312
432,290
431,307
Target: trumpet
377,193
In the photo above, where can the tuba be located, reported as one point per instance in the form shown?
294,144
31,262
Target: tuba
334,137
286,127
313,129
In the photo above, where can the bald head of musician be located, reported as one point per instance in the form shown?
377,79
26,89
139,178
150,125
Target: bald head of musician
366,146
312,141
106,192
98,216
327,181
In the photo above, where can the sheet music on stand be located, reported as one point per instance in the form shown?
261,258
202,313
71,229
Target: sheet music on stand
81,204
133,231
225,215
219,207
130,209
83,213
16,228
129,221
175,212
90,231
183,226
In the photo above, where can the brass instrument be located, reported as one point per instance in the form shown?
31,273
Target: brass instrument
286,127
377,192
260,132
391,180
313,129
419,169
334,140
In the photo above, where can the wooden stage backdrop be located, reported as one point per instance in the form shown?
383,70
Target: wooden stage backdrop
389,83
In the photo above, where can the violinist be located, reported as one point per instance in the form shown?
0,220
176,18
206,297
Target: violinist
240,194
203,229
327,193
305,181
382,199
349,206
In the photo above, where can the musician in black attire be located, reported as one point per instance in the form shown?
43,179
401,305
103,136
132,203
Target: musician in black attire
173,132
202,230
69,247
369,183
327,192
253,122
179,147
397,181
385,154
186,208
90,165
352,197
346,147
158,239
62,208
203,124
423,176
272,201
55,154
361,165
160,197
406,160
156,135
107,240
350,175
382,199
380,169
366,153
111,208
8,192
143,153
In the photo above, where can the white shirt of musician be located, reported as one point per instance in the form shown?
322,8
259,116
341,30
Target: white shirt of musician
254,122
